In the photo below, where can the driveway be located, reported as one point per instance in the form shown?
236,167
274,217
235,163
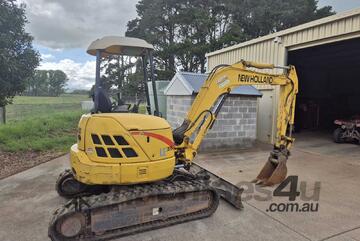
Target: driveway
28,199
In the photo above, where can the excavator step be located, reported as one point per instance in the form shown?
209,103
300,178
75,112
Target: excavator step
134,209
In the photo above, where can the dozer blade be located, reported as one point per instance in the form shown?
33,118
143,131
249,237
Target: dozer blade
132,210
274,171
227,191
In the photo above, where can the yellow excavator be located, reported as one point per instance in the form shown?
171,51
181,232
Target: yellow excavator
131,172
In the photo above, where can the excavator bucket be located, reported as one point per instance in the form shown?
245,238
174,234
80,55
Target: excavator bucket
274,171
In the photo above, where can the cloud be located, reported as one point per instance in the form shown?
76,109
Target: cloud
80,75
74,24
46,57
340,6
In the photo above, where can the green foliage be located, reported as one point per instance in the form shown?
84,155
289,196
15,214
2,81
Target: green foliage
18,59
123,75
183,31
52,132
261,17
46,83
156,24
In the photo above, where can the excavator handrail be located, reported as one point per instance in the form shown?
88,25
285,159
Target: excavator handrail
262,66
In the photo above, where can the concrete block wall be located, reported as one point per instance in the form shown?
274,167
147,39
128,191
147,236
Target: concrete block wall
235,126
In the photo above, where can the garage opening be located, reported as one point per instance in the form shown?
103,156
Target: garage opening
329,84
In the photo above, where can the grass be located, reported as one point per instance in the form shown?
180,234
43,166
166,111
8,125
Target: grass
41,123
25,107
56,132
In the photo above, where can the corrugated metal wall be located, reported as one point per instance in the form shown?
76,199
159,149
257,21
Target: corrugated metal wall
266,50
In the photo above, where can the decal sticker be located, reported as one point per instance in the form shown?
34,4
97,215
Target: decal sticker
162,138
224,81
255,79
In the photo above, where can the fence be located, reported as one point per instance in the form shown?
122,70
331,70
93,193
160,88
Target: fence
25,107
2,115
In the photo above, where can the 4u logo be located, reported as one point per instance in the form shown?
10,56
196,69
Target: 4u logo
290,188
293,193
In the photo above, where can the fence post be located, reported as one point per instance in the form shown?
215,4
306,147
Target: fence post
2,115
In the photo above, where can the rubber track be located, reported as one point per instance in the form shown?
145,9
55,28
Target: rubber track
86,192
117,196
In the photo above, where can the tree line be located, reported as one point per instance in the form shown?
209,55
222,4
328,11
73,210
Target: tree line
46,83
183,31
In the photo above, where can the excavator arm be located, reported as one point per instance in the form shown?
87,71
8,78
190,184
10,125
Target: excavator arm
207,104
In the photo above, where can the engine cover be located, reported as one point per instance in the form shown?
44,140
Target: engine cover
122,148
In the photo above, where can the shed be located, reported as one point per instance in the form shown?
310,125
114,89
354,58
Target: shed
326,54
236,123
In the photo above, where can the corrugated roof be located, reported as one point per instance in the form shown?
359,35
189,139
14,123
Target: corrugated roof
284,32
194,81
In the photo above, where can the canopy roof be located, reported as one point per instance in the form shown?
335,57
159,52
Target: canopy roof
116,45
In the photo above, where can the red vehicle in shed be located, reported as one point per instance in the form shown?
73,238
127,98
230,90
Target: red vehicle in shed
348,130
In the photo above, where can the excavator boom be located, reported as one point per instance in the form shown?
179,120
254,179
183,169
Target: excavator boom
212,95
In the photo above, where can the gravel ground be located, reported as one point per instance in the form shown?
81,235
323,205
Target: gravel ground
12,163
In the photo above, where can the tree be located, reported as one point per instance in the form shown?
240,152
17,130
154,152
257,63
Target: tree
18,59
116,68
46,83
262,17
37,84
202,27
157,24
57,81
133,88
183,31
123,75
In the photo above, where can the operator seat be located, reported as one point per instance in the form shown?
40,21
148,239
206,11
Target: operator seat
103,104
102,101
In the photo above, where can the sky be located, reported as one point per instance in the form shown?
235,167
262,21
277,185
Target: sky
63,29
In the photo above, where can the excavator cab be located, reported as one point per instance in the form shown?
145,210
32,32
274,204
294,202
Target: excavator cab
122,46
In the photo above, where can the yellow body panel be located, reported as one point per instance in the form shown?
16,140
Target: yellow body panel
133,121
156,144
107,126
81,131
91,173
116,149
